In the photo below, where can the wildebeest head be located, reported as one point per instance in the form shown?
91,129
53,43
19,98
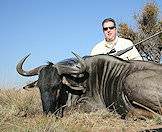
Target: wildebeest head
50,81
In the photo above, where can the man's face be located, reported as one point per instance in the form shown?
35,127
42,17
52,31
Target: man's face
109,31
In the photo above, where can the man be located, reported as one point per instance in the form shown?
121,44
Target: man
112,43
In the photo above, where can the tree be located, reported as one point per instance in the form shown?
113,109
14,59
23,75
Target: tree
126,32
148,23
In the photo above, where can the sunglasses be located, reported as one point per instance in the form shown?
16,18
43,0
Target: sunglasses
106,28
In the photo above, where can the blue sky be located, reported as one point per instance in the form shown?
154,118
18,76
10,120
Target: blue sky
51,29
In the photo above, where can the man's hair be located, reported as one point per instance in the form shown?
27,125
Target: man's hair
109,20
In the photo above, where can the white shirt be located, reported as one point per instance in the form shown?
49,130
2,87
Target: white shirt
118,44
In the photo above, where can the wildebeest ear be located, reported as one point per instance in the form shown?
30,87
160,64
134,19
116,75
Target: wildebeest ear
80,59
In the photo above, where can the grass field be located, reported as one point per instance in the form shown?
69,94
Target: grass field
20,110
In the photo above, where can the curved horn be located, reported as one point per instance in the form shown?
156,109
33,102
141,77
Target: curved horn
76,69
22,72
81,61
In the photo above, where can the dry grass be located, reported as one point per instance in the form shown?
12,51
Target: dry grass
20,110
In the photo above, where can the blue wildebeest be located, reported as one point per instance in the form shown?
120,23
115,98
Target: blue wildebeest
110,82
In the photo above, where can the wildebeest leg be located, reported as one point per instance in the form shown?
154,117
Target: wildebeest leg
140,113
145,88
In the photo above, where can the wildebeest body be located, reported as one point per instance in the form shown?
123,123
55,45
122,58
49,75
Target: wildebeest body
114,81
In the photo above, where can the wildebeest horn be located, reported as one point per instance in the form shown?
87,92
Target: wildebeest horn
76,69
22,72
81,61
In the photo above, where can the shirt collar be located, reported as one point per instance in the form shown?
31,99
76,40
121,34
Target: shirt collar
112,43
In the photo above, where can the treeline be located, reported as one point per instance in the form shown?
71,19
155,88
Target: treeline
148,23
